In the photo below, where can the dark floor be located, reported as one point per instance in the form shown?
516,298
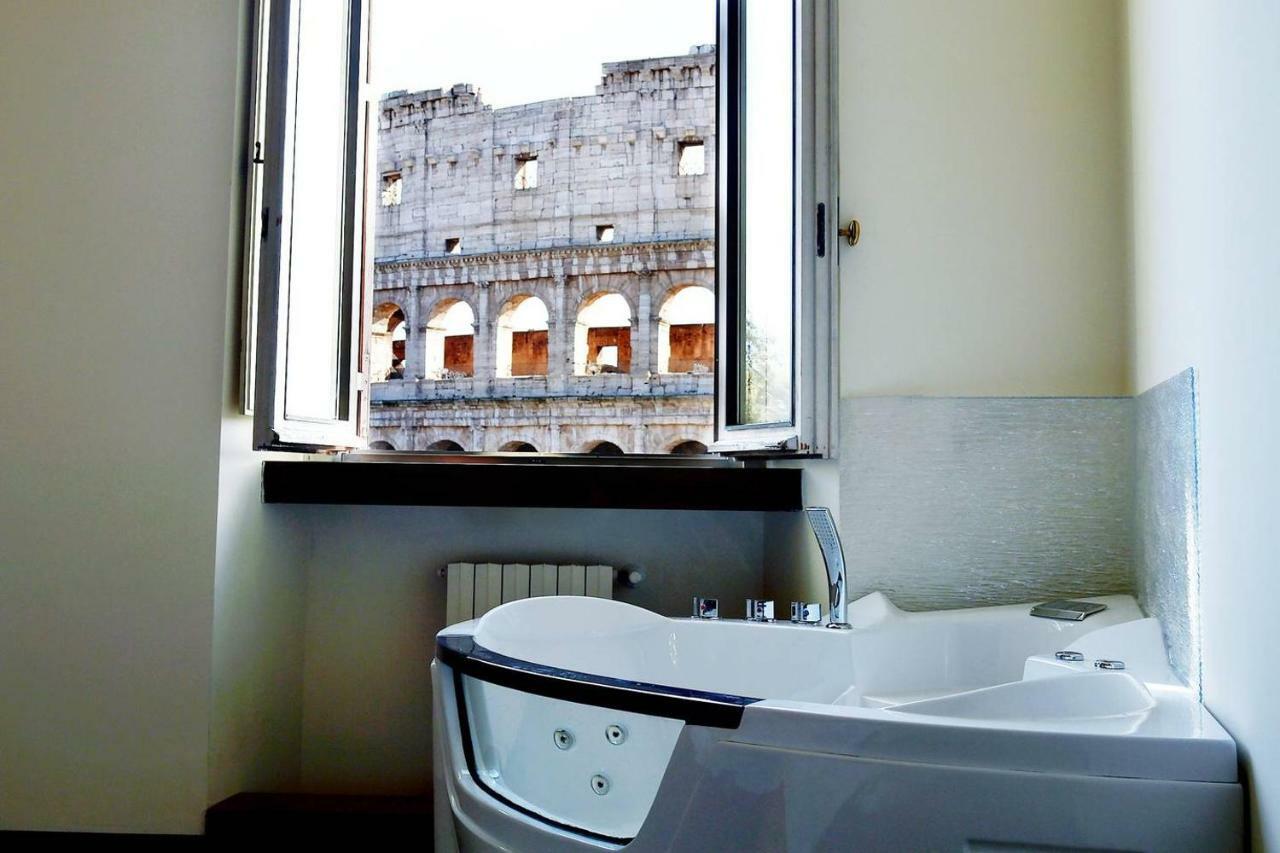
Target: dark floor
243,819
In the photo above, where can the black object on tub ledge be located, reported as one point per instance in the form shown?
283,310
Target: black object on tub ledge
464,656
497,483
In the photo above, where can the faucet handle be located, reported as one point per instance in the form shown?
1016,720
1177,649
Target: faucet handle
759,610
806,614
706,608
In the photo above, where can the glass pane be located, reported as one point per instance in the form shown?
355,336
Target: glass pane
544,275
767,202
314,297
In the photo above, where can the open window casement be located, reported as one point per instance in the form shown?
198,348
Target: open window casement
776,383
312,232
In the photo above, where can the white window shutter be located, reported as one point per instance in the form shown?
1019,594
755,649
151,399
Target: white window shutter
315,259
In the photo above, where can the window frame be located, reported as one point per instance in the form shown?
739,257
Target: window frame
270,232
811,431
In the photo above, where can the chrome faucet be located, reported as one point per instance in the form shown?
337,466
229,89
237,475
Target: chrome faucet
824,528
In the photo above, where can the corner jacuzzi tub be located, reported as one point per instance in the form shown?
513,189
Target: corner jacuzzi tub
583,724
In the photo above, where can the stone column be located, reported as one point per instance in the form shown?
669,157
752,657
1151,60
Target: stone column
641,344
559,339
484,343
415,318
637,437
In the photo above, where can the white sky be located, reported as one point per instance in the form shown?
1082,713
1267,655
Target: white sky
517,51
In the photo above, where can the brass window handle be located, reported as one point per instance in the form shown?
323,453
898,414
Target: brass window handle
851,232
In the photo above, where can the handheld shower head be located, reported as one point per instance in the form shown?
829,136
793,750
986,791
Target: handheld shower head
824,529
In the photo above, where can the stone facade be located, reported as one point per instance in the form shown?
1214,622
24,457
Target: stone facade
581,204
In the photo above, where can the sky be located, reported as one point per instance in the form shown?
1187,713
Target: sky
519,51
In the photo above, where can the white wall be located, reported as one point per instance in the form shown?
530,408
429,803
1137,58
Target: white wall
152,610
115,140
1206,250
259,618
259,603
374,605
982,146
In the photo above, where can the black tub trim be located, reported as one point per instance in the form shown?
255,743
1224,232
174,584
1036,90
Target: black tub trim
464,655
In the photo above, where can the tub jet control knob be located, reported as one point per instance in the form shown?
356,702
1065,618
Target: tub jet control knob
706,608
1112,665
1068,655
806,614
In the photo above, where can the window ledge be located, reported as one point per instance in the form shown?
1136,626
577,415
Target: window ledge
601,486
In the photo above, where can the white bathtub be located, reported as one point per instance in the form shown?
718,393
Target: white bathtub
585,724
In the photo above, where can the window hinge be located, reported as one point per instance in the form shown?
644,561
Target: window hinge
790,444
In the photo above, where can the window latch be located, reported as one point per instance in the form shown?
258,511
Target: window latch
821,230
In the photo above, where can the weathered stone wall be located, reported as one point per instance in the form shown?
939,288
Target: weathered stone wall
611,160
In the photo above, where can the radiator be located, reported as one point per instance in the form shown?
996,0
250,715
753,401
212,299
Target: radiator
476,588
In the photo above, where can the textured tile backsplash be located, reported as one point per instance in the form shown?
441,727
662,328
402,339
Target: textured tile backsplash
1166,556
962,502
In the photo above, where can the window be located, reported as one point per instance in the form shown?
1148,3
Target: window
699,320
450,340
689,448
687,330
693,158
392,186
518,447
605,448
388,341
602,335
526,172
776,300
522,337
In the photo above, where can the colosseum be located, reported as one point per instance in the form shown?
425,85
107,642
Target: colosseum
545,273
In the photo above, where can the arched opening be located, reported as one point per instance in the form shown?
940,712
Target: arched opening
522,337
687,331
381,445
605,448
689,448
389,336
450,340
518,447
445,445
602,335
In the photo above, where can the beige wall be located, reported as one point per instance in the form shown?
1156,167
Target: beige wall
155,617
982,146
113,266
1206,238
